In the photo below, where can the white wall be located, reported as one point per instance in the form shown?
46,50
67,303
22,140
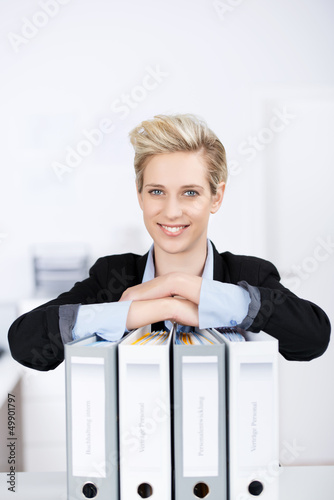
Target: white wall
68,76
299,217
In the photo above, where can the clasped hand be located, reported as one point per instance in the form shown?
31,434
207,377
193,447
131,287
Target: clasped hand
174,296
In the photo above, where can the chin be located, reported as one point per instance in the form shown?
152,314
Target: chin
173,247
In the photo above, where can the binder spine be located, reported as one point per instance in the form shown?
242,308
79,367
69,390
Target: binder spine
145,425
91,421
252,395
199,422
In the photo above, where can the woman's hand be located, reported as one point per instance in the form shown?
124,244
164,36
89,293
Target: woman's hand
184,312
179,310
170,285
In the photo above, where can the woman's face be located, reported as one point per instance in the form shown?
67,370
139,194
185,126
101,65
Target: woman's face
176,200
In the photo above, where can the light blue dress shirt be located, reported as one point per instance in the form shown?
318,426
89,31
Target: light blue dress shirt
221,304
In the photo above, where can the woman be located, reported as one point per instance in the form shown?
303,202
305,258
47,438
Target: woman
181,173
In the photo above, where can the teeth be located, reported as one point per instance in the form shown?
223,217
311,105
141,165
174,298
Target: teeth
173,229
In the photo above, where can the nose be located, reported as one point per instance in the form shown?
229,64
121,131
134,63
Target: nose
173,208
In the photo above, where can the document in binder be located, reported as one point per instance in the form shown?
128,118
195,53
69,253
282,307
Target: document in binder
199,416
91,419
144,415
252,382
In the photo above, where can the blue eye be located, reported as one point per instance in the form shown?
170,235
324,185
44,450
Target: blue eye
191,193
155,192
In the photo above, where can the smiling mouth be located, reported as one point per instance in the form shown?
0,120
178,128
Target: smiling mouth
173,229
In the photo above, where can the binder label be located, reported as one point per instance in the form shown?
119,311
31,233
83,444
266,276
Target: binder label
146,415
255,414
200,415
88,417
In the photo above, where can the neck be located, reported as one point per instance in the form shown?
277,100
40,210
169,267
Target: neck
190,262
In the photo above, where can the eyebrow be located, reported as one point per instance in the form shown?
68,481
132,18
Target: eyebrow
187,186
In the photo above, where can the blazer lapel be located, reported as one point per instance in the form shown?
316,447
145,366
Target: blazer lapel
220,270
140,268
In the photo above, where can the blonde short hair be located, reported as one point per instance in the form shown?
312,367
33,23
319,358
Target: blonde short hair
173,133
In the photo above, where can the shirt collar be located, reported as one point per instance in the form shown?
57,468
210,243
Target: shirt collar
149,272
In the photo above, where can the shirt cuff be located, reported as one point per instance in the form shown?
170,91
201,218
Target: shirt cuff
222,304
254,305
67,318
107,320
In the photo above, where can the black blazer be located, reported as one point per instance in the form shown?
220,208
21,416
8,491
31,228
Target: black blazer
301,327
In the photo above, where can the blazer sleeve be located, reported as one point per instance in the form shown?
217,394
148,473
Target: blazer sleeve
34,338
301,327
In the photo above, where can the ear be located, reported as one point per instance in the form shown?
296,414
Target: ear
218,198
140,197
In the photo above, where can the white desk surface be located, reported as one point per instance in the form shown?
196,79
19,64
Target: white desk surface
296,483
